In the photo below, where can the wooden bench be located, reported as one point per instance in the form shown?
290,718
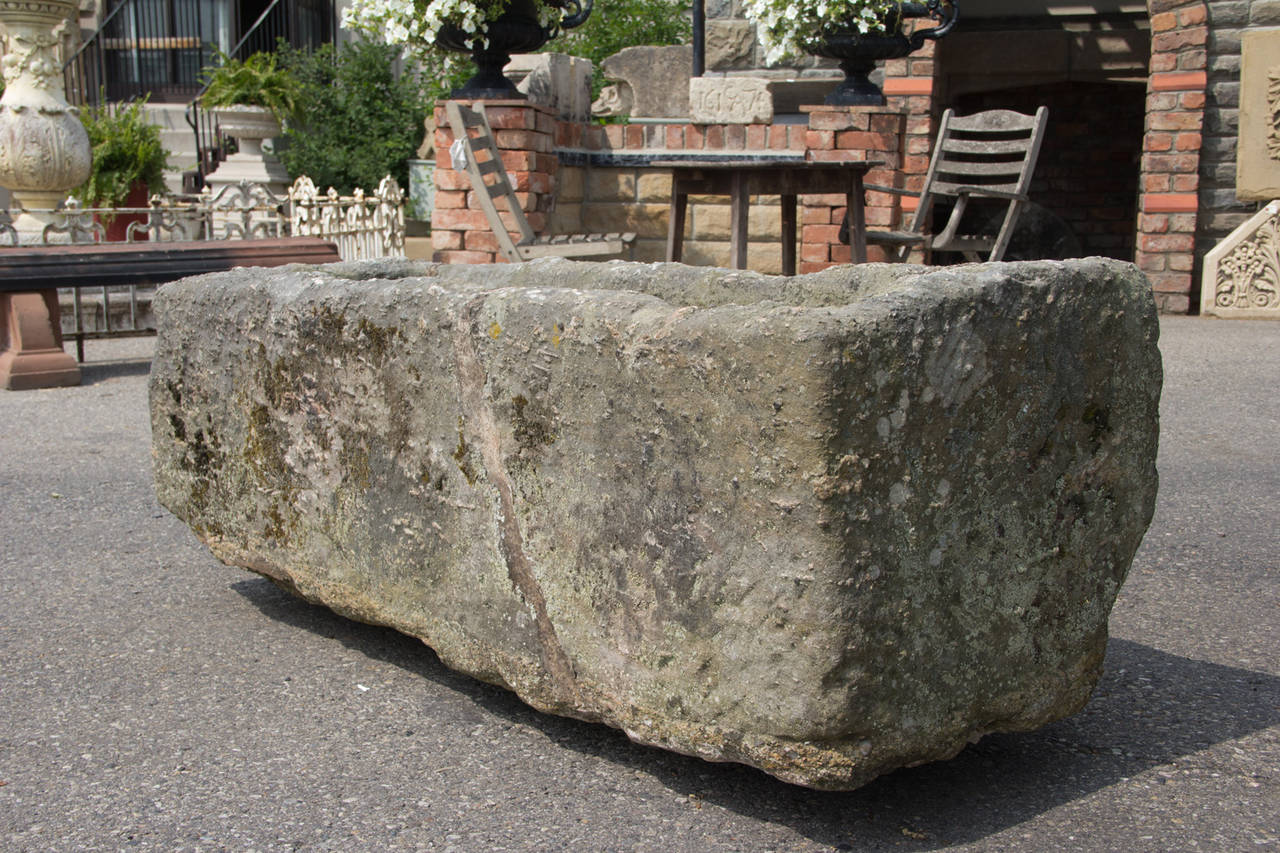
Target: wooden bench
31,354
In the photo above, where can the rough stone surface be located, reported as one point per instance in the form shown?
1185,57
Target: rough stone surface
827,526
730,44
730,100
653,82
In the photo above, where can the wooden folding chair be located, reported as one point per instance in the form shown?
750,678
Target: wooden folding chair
988,155
489,181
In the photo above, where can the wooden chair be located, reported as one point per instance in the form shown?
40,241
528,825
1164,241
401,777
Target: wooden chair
988,155
489,181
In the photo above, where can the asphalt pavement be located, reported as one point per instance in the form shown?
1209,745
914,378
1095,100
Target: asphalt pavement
152,698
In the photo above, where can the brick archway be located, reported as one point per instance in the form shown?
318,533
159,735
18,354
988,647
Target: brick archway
1170,181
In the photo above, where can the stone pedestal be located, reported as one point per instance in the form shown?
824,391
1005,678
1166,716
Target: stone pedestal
31,354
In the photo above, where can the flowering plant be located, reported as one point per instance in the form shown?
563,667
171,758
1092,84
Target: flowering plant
416,24
792,27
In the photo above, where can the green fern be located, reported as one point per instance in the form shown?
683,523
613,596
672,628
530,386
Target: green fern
255,82
126,150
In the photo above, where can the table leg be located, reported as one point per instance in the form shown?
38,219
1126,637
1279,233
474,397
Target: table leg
738,200
675,228
788,235
857,221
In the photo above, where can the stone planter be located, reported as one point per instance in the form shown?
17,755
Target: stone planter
827,525
250,126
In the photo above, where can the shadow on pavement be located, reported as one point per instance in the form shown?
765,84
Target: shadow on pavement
1150,708
95,372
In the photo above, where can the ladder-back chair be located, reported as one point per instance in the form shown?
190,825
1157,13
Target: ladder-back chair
988,155
489,181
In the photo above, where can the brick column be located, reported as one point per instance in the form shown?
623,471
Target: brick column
850,133
1169,200
524,134
910,87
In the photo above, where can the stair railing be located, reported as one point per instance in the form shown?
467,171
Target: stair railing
139,50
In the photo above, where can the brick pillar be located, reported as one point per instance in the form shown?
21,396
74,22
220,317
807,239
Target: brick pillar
524,134
849,133
1169,202
910,87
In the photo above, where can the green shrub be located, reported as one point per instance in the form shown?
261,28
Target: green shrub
357,118
126,150
255,82
624,23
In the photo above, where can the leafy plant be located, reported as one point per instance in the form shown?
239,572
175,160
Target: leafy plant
126,151
622,24
417,23
257,82
357,118
792,27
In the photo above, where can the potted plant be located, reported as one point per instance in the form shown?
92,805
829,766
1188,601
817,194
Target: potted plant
856,32
489,30
251,99
128,163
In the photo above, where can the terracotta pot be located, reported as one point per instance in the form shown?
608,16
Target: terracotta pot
117,229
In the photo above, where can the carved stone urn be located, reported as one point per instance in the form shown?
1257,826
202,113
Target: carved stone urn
44,150
250,126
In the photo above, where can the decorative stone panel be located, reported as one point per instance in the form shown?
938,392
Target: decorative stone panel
1242,273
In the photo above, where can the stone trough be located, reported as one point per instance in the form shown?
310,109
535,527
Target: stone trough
826,526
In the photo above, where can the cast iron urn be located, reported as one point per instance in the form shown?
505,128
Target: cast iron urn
859,52
516,30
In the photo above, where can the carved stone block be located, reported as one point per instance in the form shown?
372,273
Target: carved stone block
730,100
730,44
1258,148
653,82
1242,273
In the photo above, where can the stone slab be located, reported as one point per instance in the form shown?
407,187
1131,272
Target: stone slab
1258,147
827,525
730,100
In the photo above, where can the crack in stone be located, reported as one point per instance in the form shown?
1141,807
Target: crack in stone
485,436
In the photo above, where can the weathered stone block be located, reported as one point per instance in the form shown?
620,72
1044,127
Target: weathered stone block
730,44
1258,146
730,100
653,81
827,525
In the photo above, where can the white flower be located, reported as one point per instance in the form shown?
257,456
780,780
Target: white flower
787,27
415,23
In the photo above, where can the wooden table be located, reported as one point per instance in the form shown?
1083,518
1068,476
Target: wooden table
788,178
